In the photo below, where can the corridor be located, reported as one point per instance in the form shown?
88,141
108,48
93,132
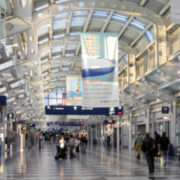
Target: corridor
96,164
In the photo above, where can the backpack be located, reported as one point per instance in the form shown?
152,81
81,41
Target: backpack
148,145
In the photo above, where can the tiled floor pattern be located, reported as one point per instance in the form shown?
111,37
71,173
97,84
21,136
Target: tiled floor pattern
97,164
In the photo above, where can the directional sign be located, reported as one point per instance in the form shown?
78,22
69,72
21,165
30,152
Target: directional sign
79,110
64,124
3,100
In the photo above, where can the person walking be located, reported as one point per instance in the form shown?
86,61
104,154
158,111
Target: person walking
156,139
72,145
138,144
83,143
163,146
108,141
148,147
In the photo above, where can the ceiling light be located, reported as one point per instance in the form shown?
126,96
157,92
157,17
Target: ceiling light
42,7
40,15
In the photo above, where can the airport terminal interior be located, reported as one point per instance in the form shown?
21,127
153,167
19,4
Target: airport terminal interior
84,84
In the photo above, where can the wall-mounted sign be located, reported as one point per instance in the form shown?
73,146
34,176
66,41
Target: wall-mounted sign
3,101
79,110
165,109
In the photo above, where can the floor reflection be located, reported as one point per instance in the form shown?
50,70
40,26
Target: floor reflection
97,164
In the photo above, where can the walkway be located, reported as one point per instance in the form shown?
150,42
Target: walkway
96,164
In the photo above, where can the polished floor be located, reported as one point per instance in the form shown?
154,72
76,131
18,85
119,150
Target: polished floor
96,164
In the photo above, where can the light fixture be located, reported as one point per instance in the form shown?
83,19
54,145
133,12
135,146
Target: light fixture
23,3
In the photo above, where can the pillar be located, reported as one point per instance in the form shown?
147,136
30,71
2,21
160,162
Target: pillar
118,138
147,116
173,123
130,131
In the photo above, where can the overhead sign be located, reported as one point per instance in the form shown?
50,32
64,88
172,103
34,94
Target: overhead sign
3,101
64,124
100,85
109,122
165,110
79,110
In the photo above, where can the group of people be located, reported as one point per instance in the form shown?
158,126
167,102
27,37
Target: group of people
158,146
74,143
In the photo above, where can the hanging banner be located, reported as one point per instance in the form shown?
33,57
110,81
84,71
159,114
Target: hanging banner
74,90
175,11
100,70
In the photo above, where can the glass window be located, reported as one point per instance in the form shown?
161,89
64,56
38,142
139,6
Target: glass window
137,24
80,13
46,102
78,21
149,36
101,14
119,17
60,24
6,65
52,102
52,95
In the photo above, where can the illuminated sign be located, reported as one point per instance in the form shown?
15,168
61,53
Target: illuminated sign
165,109
79,110
3,101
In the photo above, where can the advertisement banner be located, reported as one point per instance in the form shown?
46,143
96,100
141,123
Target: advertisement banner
175,11
74,90
100,70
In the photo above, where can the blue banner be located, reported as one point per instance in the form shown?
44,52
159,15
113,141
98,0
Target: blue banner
78,110
3,101
64,124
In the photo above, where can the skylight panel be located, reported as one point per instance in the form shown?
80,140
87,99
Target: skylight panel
60,16
56,57
74,33
45,40
66,64
119,17
53,80
55,65
11,99
6,65
138,24
54,70
125,59
57,49
71,46
119,52
21,96
65,68
60,24
56,36
69,55
102,14
45,73
149,36
78,21
62,78
3,89
43,61
60,1
17,83
80,13
44,54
